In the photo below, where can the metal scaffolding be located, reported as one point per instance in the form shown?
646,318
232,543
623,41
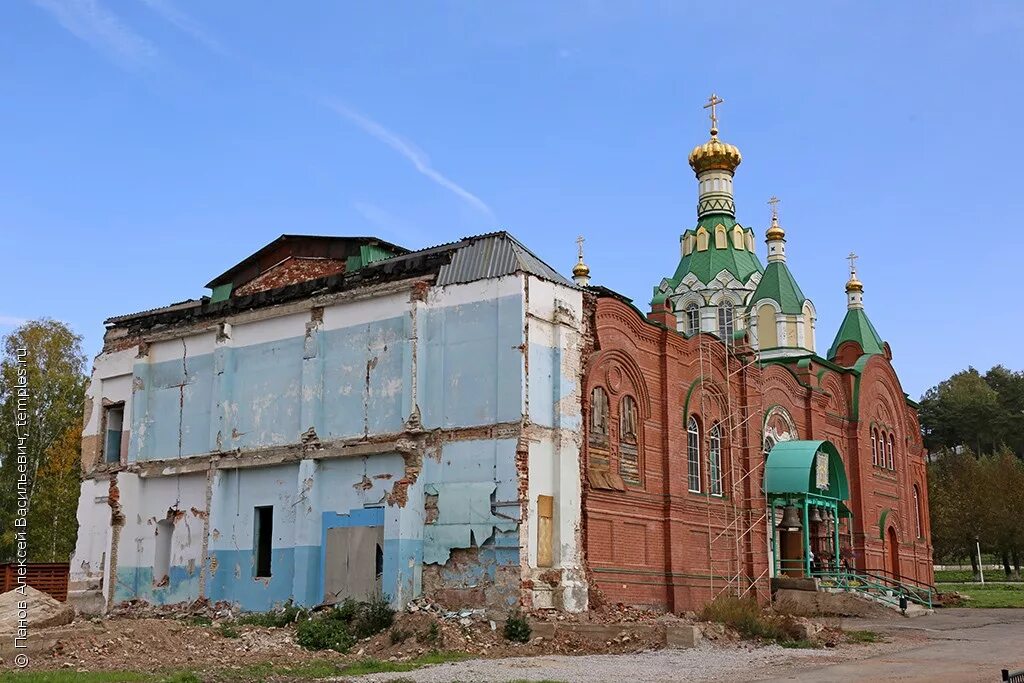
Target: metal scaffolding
737,526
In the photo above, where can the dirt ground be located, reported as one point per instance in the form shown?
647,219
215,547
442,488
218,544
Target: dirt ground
146,638
950,645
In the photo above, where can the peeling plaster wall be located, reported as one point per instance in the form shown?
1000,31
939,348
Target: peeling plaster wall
444,369
147,501
554,330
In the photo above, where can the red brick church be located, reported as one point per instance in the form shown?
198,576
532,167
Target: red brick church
721,449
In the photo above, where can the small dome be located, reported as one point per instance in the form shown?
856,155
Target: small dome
581,269
775,231
854,285
715,154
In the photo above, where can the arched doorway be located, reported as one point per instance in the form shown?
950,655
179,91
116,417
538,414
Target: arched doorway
894,553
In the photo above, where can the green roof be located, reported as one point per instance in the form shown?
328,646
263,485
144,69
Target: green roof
710,262
856,327
778,283
791,469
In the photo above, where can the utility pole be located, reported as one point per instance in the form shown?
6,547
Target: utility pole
981,567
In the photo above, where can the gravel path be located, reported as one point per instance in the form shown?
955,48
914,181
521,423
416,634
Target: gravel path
705,663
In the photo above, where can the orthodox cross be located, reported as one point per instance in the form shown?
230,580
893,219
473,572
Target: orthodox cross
579,245
852,258
774,203
713,102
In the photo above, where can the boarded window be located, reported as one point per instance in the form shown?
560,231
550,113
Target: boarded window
629,457
715,459
598,416
263,535
693,454
113,420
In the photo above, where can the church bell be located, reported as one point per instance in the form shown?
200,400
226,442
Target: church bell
790,519
815,515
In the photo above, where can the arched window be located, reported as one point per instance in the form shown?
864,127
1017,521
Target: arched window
693,453
702,239
917,512
629,452
715,459
692,318
874,447
725,322
892,442
598,416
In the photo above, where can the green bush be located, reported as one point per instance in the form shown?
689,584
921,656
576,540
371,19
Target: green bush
432,636
373,617
229,631
288,614
399,636
324,634
747,617
517,628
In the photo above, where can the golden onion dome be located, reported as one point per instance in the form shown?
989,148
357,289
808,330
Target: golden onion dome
775,231
715,155
853,284
581,269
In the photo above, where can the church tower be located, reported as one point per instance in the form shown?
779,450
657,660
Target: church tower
782,319
856,327
718,268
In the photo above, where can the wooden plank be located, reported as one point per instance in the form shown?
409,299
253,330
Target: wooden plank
545,530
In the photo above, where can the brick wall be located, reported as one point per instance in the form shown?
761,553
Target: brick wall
659,544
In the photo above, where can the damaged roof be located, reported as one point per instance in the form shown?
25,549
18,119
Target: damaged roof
473,258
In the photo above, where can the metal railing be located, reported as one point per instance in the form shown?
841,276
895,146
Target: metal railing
878,586
1013,676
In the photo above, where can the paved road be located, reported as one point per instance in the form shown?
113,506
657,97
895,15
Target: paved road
955,645
950,645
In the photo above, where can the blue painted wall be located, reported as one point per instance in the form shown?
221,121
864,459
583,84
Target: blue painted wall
346,383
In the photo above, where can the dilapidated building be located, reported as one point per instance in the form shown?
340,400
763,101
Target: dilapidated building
343,417
339,418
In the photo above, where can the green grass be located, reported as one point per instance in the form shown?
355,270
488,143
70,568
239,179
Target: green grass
72,676
966,576
258,672
376,666
798,644
864,637
990,595
65,676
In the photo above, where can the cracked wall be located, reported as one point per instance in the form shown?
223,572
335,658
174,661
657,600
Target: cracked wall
297,411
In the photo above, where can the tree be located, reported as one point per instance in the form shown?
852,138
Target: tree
957,503
1009,421
961,412
1003,485
42,377
52,524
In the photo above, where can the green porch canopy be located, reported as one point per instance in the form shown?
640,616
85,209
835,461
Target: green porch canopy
806,467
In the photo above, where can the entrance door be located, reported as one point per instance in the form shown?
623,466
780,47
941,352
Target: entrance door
353,563
894,553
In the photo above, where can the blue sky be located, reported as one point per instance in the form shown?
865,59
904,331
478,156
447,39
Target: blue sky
147,145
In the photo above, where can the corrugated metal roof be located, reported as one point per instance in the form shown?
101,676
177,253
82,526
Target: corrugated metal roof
494,255
180,306
472,258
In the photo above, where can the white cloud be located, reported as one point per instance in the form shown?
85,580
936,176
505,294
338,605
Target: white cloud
89,21
413,155
185,23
